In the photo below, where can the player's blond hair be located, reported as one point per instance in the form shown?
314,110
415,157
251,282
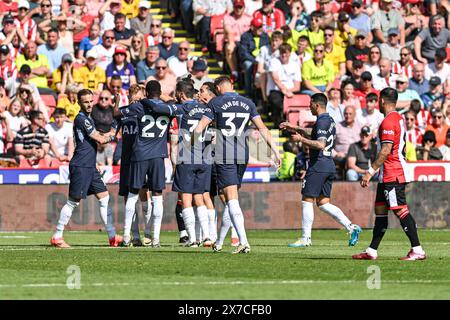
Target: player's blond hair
134,91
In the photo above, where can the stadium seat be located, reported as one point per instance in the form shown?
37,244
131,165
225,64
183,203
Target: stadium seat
217,32
296,110
48,100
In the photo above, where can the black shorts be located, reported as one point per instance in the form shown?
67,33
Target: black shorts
230,175
317,183
124,179
84,182
150,173
391,194
192,178
214,189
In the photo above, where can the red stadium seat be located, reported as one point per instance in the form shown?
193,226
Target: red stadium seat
296,110
49,100
217,32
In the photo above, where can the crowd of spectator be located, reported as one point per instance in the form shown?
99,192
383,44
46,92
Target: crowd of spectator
274,49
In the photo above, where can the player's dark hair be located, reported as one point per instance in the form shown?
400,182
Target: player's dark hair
320,98
153,89
59,112
211,87
82,93
186,87
34,114
222,79
389,95
372,96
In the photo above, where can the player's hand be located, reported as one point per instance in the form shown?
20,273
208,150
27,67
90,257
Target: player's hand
297,137
365,180
165,97
288,127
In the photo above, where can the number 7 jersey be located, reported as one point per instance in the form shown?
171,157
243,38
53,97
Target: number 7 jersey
231,113
324,129
153,118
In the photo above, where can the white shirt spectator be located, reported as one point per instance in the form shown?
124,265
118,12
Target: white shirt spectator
266,55
287,73
107,22
372,120
252,5
445,152
336,113
379,83
178,67
12,84
16,122
431,71
105,56
60,136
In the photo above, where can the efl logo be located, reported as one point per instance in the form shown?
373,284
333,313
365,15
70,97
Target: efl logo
435,173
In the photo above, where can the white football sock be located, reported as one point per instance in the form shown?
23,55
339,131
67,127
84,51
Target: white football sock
198,229
106,215
130,208
64,217
226,224
183,233
147,210
233,232
418,249
337,215
189,222
237,218
157,215
212,221
135,225
307,218
202,215
372,252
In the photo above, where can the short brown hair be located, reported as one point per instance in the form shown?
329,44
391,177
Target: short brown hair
134,89
83,92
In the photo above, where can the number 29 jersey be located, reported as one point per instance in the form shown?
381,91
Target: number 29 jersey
231,113
153,117
324,129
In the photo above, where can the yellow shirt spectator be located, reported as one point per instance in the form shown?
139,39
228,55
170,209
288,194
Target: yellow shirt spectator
72,109
41,60
57,77
318,75
90,79
410,152
341,38
315,38
130,8
336,57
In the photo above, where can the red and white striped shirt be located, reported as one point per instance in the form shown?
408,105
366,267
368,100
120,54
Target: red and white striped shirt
28,28
423,119
407,70
150,40
8,70
414,136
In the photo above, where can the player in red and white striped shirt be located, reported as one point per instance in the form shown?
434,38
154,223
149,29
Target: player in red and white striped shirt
393,180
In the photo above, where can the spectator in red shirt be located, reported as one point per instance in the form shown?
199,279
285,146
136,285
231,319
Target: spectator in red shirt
365,88
273,18
8,5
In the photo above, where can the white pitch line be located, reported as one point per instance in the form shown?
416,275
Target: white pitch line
223,283
14,237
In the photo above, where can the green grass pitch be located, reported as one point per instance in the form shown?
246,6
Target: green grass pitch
31,269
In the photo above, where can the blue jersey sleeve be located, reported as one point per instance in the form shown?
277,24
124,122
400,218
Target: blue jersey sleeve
209,112
133,110
323,128
85,124
253,112
167,109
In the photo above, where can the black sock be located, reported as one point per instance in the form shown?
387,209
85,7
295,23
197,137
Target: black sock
180,221
409,226
381,224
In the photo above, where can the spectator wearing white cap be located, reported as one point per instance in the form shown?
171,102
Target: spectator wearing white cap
91,76
52,49
405,95
391,49
142,22
24,22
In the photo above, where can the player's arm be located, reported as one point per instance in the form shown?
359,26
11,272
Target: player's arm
295,129
102,139
318,144
202,125
265,133
116,110
386,149
167,109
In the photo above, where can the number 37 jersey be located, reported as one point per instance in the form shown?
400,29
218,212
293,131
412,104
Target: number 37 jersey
153,118
324,129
